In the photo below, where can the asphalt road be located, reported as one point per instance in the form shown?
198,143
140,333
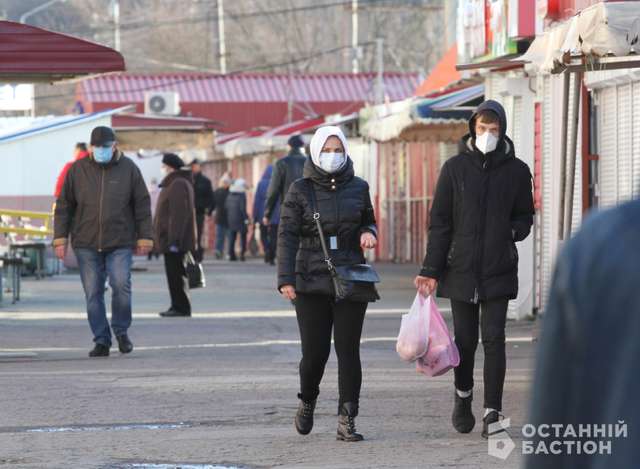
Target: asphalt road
220,388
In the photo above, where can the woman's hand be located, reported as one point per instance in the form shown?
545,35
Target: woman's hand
288,292
368,241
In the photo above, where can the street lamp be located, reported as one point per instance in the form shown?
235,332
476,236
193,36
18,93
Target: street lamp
38,9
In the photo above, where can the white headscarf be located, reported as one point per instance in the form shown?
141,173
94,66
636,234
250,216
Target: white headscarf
320,138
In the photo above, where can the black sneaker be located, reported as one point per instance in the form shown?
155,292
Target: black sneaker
462,418
99,350
491,418
124,343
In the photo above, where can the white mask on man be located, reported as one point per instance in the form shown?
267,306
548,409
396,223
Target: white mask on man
487,142
331,162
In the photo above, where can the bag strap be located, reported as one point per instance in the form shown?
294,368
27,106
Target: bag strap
316,218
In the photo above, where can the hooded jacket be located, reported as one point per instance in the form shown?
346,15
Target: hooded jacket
104,206
175,219
482,206
236,207
346,212
260,199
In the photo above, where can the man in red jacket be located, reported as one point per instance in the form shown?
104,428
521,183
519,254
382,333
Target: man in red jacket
79,153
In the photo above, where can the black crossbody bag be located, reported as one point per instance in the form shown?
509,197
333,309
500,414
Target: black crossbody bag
344,278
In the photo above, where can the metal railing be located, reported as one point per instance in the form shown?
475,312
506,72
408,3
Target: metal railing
20,224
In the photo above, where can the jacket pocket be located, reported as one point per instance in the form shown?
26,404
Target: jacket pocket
460,254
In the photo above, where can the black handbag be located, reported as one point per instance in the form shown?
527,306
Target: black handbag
195,272
345,279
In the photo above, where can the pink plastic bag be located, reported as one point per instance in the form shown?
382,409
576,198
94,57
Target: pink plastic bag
442,353
414,331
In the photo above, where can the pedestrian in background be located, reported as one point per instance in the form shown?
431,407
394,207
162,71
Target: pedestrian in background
104,207
175,230
483,205
268,231
204,203
238,219
348,221
220,206
585,373
80,151
286,171
154,193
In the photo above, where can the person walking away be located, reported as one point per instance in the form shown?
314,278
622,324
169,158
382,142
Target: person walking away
219,205
204,203
588,349
236,205
104,208
80,151
348,221
286,171
268,231
175,230
483,205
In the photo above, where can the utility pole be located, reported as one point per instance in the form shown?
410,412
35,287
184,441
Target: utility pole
115,4
222,50
290,96
380,68
354,36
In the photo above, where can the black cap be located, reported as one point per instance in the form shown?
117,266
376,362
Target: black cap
172,160
195,161
295,141
102,135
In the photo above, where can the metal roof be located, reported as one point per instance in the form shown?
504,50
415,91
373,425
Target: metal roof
52,123
248,88
30,54
134,121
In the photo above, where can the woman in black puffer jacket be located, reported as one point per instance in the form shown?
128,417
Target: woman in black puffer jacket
349,226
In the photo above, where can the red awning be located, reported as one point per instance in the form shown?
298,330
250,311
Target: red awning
443,74
29,54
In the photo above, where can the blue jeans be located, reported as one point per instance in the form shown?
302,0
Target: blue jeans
221,236
95,268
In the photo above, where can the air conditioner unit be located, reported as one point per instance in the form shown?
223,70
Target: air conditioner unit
162,103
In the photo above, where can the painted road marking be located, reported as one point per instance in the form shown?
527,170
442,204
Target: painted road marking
260,343
284,313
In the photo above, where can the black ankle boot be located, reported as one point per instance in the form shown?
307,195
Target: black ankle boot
462,418
347,423
304,416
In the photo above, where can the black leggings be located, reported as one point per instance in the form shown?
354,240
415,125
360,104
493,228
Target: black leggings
317,314
466,317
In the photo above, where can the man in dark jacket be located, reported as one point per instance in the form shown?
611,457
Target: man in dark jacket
220,206
483,205
268,231
204,202
175,230
286,171
586,375
105,208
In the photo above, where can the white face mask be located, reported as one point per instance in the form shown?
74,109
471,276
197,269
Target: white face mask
487,142
164,170
331,162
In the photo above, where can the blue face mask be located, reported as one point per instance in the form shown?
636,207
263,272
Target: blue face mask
103,155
